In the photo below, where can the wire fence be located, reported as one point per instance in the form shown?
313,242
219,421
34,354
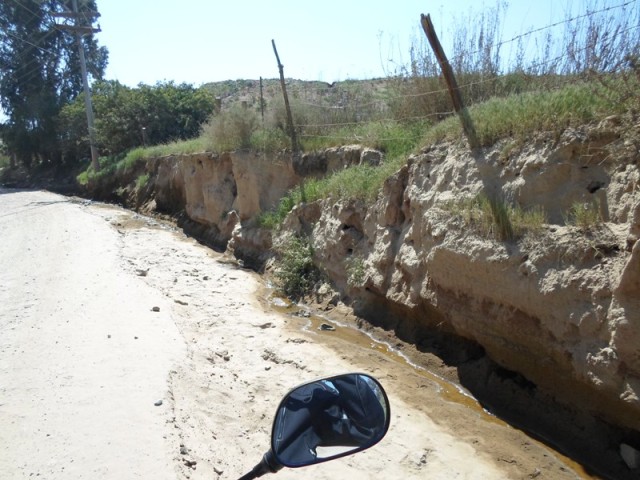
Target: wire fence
603,41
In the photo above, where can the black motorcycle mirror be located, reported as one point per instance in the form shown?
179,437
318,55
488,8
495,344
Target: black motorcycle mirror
326,419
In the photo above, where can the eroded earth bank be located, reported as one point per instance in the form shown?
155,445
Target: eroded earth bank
542,325
131,351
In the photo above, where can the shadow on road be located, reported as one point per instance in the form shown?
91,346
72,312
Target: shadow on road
30,205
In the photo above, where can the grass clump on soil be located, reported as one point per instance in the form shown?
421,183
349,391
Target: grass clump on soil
361,182
584,215
495,218
142,180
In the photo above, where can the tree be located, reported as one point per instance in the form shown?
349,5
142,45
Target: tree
131,117
39,74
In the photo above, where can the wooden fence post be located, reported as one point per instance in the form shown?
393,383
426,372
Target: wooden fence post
452,85
261,102
292,130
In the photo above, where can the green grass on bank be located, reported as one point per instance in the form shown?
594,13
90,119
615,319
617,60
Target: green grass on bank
517,116
521,115
120,163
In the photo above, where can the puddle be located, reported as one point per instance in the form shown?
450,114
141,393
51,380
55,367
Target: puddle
449,391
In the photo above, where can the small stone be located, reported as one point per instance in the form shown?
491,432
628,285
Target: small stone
268,367
219,471
327,327
142,273
183,450
155,309
158,403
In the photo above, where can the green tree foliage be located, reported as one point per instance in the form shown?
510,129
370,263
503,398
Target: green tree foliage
131,117
39,74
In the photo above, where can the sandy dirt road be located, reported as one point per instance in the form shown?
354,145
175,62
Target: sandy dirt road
104,313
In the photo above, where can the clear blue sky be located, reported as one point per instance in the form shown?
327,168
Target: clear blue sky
198,41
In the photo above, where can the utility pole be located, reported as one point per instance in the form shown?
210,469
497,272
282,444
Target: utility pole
79,31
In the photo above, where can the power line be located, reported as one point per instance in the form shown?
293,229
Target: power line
35,61
393,120
30,43
552,25
361,137
26,8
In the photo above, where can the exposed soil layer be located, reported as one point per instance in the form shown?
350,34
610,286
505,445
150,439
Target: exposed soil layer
542,327
590,442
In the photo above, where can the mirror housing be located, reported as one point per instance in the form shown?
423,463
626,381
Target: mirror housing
329,418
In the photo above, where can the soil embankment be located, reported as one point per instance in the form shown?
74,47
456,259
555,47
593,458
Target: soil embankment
129,350
542,326
547,318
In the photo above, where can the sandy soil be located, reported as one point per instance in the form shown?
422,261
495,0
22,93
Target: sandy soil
85,361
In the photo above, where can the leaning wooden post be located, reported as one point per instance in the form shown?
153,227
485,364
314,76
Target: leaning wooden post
261,103
450,79
292,130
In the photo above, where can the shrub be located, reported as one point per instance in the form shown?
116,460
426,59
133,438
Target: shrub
269,220
355,271
83,178
108,165
295,272
269,140
230,129
275,217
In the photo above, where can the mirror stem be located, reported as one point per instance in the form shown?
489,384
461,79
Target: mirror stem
269,464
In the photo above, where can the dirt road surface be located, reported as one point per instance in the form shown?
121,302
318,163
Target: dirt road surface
128,350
